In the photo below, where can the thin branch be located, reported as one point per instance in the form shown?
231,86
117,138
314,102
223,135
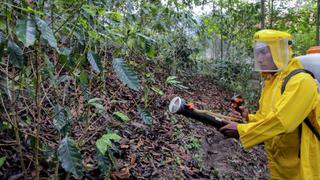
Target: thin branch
38,104
70,17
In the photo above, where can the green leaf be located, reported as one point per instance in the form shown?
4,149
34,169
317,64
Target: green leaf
15,54
90,9
59,119
104,143
26,31
121,116
126,74
2,44
2,160
30,10
94,61
48,69
146,116
97,103
83,78
112,136
98,106
46,33
3,25
65,60
93,100
172,80
157,90
70,157
115,16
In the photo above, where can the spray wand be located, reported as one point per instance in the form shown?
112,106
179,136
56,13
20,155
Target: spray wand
179,106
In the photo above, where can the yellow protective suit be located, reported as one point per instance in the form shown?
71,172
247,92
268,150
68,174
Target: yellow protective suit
293,151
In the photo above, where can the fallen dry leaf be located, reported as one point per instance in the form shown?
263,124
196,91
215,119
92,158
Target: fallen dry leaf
124,146
133,159
122,174
140,143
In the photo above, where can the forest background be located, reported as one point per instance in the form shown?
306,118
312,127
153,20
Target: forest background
78,75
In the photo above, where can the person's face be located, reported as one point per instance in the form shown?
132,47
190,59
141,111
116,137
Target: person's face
264,59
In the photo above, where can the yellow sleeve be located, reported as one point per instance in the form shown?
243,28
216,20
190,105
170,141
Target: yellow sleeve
290,110
255,117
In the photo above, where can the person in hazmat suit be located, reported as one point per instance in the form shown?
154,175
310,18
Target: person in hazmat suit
292,149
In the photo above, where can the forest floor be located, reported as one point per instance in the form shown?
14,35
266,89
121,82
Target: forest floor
179,147
172,147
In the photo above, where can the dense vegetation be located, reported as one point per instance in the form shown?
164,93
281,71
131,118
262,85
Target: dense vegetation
76,72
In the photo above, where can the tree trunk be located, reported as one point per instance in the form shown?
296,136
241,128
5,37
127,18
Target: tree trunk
221,29
317,28
262,13
271,14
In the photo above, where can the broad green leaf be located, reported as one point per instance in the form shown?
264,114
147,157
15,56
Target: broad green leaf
70,157
126,74
121,116
115,16
59,119
65,59
3,25
146,38
98,106
157,90
26,31
90,9
112,136
15,54
2,160
103,145
93,100
146,116
46,33
94,61
94,35
104,142
97,103
83,78
172,80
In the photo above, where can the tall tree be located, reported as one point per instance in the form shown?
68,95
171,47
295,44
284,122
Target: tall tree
317,30
271,12
262,13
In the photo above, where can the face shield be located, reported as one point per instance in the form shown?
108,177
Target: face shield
271,56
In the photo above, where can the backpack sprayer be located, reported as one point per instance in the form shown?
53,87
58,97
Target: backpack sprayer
179,106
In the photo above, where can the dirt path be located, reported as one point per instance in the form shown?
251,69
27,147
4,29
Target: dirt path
223,158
